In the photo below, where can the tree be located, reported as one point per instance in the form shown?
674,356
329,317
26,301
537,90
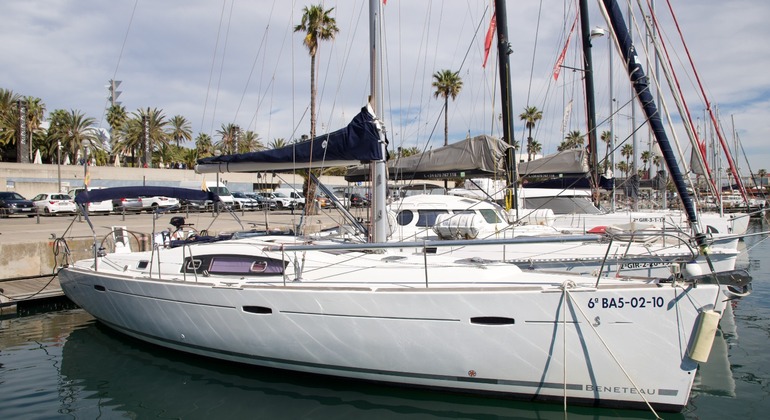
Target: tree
448,84
574,140
317,25
277,143
181,130
227,135
627,151
409,151
203,146
131,135
35,112
646,157
8,117
116,118
606,137
250,142
533,147
657,160
622,167
75,131
530,116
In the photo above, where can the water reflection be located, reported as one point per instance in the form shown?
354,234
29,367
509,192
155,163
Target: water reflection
107,372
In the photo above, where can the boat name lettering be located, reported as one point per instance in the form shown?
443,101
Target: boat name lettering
648,219
625,302
620,389
644,264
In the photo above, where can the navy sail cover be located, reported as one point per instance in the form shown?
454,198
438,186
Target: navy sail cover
357,142
91,196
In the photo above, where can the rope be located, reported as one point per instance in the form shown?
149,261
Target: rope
566,286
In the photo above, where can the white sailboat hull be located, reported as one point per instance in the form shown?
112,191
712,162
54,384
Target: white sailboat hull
474,328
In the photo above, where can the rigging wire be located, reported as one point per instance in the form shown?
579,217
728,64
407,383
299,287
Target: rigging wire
211,71
120,55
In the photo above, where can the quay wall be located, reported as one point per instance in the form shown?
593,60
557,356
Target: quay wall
29,179
37,258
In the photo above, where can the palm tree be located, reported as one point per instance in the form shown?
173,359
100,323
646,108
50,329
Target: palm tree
278,143
35,112
657,160
574,140
623,167
533,147
530,116
181,130
448,84
627,151
131,135
75,131
116,118
606,137
646,157
227,134
189,156
250,142
203,146
318,25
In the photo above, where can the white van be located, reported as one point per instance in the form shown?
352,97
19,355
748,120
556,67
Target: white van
219,189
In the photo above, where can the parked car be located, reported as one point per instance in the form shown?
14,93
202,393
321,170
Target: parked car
323,201
151,204
342,199
195,205
95,207
128,204
54,203
357,200
12,203
262,202
283,201
244,202
271,199
297,196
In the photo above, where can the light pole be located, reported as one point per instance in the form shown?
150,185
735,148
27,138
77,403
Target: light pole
58,161
596,33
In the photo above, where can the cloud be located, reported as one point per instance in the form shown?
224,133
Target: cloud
240,62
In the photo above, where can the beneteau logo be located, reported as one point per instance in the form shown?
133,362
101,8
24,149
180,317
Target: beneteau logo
629,390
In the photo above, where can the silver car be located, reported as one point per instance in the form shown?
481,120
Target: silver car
127,204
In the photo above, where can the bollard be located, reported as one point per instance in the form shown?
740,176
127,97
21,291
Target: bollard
37,215
123,212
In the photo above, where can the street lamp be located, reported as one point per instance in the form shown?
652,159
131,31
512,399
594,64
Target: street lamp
58,161
596,33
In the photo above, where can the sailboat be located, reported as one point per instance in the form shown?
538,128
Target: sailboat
374,312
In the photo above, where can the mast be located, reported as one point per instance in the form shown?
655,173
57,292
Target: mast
588,80
378,170
506,99
640,84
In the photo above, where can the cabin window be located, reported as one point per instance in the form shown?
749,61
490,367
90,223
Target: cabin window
404,217
427,218
563,205
243,265
491,215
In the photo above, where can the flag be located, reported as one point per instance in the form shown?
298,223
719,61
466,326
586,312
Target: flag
567,111
560,60
488,40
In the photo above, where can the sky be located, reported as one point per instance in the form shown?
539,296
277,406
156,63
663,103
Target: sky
235,61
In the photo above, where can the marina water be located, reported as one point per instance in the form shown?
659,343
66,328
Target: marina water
65,365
